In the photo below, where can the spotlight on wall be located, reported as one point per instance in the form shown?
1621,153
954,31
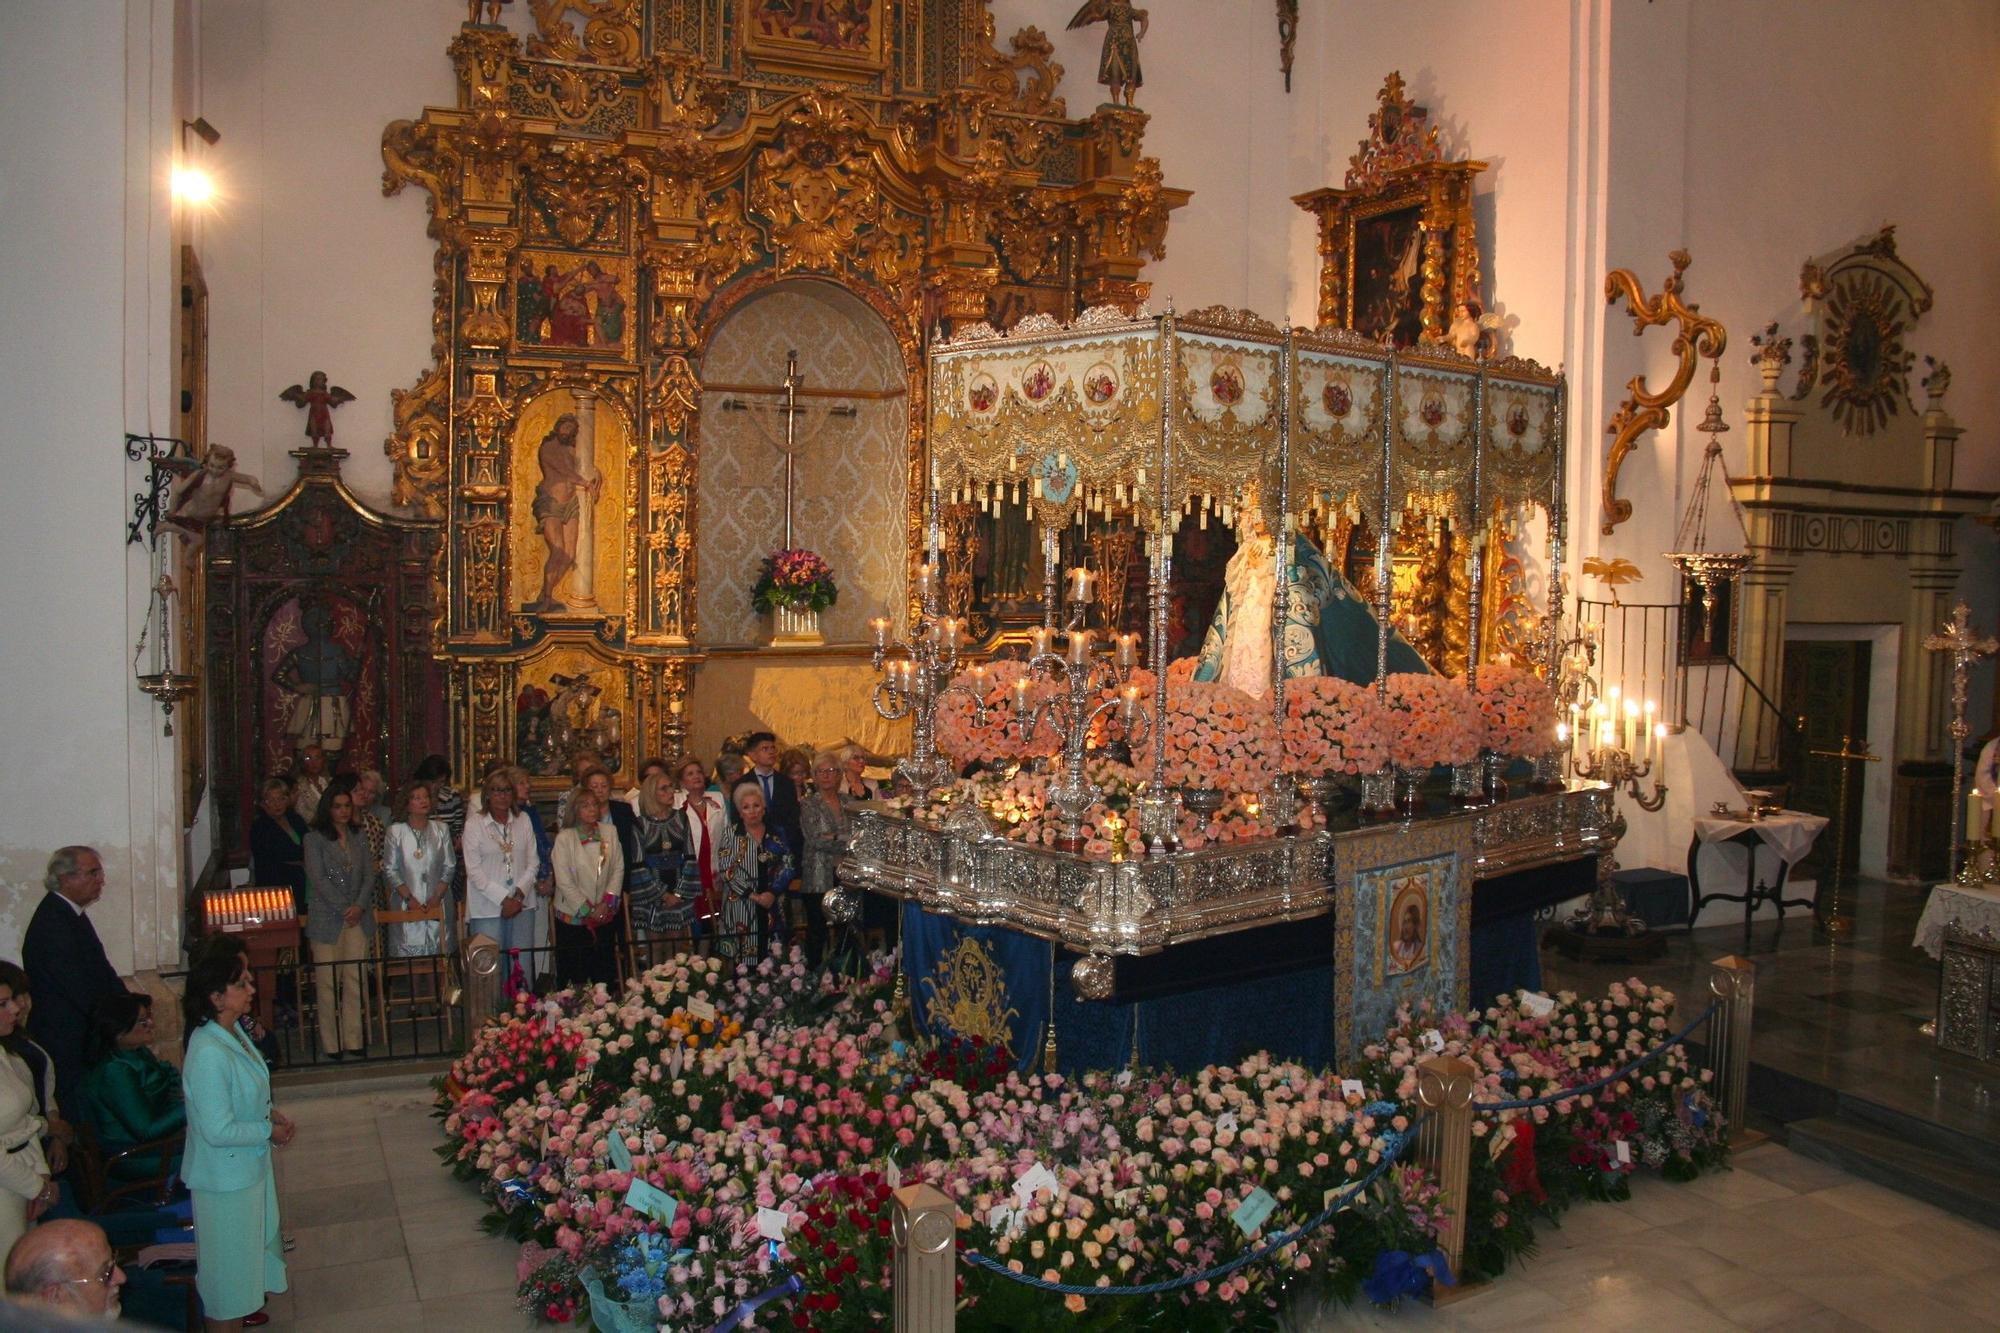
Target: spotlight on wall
191,185
209,134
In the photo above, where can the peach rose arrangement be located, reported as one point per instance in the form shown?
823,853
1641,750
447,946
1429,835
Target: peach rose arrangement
998,740
1333,726
1431,721
1518,710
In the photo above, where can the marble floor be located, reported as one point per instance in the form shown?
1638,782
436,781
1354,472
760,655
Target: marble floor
1841,1015
387,1240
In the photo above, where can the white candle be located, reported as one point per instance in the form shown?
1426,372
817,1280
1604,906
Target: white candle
1079,647
1080,581
924,580
1021,696
1128,703
880,626
1038,639
1128,649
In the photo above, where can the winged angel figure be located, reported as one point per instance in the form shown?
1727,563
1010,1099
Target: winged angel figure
1124,27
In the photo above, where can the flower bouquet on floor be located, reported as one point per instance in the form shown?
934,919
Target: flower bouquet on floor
793,588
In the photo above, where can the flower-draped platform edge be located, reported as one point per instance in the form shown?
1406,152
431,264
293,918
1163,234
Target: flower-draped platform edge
795,1096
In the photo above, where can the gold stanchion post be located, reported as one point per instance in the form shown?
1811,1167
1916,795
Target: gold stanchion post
1444,1149
924,1223
1733,983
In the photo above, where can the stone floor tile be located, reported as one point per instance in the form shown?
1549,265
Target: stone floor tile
486,1265
321,1293
342,1243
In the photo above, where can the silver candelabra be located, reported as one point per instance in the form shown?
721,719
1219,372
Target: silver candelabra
1084,672
916,676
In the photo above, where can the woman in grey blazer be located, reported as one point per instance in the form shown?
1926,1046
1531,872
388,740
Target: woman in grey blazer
340,919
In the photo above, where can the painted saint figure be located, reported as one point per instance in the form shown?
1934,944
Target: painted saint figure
1407,951
319,400
1124,28
320,675
609,313
558,505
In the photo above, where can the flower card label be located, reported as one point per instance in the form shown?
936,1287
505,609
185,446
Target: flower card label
1124,1079
1250,1215
621,1156
1226,1123
1351,1087
675,1061
1032,1182
771,1224
1004,1218
1433,1041
1536,1005
701,1010
643,1196
1622,1150
893,1175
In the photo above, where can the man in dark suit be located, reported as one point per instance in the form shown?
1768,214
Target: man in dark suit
67,970
781,798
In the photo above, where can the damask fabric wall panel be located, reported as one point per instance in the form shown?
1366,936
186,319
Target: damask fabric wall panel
850,476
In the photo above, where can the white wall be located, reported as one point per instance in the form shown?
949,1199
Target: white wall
308,266
86,275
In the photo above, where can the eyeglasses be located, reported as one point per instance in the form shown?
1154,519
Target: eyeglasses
106,1277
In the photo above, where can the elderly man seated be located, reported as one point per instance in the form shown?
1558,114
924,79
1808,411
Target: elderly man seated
66,1267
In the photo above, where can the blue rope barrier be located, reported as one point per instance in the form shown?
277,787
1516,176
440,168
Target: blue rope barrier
792,1285
1398,1142
1584,1089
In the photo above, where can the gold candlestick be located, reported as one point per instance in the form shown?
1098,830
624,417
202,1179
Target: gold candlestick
1836,921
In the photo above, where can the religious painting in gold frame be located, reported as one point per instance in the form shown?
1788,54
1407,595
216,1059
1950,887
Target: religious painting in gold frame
539,509
817,32
1398,245
572,304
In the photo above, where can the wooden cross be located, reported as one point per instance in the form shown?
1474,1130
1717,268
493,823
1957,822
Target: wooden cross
1844,755
1955,636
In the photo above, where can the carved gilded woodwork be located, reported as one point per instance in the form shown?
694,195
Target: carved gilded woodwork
1398,243
1645,409
605,191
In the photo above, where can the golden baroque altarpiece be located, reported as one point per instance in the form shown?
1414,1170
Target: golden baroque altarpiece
603,194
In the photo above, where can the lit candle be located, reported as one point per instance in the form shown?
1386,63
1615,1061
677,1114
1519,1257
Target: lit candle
924,580
1021,696
1631,724
880,626
1081,580
948,630
1128,649
1128,703
1039,637
1646,729
1659,735
1079,647
979,678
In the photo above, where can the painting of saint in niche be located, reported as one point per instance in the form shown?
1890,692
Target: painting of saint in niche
1388,275
1406,924
321,685
570,302
837,25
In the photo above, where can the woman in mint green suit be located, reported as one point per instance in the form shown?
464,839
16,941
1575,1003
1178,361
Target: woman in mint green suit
231,1126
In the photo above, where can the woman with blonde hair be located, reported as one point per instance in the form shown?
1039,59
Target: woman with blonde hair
659,907
590,875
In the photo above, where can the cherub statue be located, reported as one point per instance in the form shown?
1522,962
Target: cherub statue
318,400
202,494
1473,332
1124,28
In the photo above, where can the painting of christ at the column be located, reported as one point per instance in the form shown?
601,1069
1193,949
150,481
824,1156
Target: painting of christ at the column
568,473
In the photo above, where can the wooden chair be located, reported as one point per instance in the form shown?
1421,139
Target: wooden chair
98,1191
404,987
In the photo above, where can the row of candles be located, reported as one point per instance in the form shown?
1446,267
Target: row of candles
1615,721
229,908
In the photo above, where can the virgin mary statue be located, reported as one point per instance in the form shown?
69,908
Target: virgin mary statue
1329,628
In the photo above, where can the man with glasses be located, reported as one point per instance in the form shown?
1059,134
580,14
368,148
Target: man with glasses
66,1266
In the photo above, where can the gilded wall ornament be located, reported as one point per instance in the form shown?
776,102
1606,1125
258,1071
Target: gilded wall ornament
1645,409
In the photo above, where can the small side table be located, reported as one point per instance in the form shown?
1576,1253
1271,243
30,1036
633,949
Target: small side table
1789,834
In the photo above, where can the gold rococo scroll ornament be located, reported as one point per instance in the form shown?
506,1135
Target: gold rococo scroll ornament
1643,409
604,191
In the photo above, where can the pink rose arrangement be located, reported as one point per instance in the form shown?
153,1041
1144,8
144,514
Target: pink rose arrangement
1431,721
1518,710
797,578
1334,726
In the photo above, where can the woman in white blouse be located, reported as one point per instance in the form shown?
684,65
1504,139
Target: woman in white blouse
590,873
417,863
26,1191
693,824
502,874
